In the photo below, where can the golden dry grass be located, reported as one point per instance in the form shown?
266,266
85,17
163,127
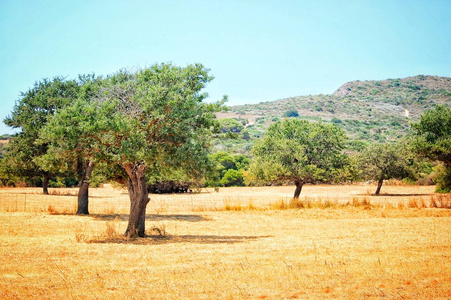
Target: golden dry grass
200,250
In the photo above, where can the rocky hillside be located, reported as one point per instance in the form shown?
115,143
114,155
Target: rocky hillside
366,110
417,92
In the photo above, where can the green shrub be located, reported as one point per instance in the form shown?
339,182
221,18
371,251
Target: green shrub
336,121
443,179
231,125
292,113
232,178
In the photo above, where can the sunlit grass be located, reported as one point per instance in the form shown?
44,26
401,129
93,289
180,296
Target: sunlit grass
239,243
115,201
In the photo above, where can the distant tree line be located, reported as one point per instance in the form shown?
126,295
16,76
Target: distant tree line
151,130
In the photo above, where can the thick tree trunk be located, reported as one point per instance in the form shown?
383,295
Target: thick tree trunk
83,191
45,184
297,192
379,185
139,197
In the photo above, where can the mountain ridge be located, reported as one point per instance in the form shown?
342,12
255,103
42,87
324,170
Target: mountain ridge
372,110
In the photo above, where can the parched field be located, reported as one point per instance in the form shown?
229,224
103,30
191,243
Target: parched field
238,243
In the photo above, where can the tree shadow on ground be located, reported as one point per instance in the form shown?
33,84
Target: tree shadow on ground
396,195
150,217
170,239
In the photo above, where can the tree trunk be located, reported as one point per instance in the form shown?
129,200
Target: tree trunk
83,191
297,192
139,197
45,184
379,185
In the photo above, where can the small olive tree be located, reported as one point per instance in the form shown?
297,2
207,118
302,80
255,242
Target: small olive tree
384,161
302,152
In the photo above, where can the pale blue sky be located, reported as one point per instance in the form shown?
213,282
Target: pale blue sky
257,50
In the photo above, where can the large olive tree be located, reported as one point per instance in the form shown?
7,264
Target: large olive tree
300,151
142,123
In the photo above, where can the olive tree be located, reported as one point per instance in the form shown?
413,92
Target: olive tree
67,147
432,138
142,123
382,162
300,151
30,114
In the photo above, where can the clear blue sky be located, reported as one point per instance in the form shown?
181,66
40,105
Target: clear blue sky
257,50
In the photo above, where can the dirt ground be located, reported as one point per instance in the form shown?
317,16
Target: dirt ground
238,243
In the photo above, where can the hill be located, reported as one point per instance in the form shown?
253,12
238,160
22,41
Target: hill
366,110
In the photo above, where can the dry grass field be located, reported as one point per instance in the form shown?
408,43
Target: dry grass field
238,243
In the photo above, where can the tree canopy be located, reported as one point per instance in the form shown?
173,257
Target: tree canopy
301,152
384,161
432,134
31,112
432,138
66,148
231,125
228,169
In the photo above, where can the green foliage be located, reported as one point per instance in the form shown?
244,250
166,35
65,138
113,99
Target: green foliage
65,139
356,145
443,179
35,106
336,120
422,169
233,178
292,113
153,118
245,135
229,169
384,161
224,160
231,125
298,150
30,115
59,182
432,136
432,139
5,175
173,181
242,120
395,123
